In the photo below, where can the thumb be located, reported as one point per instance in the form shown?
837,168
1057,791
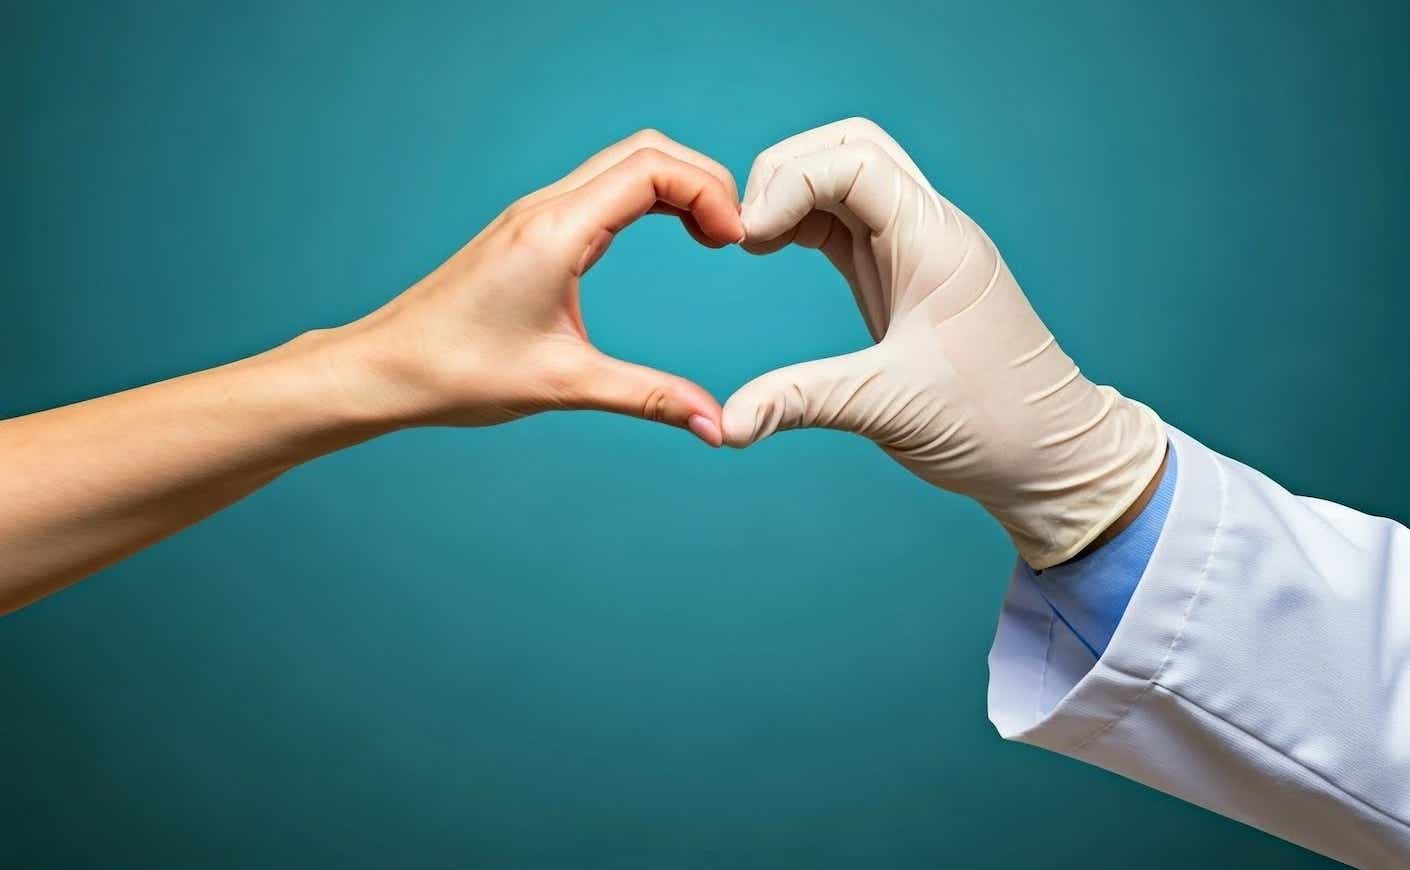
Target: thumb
840,392
608,384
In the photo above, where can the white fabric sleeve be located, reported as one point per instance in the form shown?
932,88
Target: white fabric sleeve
1261,670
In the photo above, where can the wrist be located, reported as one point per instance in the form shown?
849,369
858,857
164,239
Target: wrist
1096,485
338,377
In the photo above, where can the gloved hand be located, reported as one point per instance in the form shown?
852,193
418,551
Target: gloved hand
965,386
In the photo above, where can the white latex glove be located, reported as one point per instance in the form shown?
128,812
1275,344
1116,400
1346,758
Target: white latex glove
965,386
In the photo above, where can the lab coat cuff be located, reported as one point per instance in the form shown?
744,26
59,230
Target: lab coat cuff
1045,688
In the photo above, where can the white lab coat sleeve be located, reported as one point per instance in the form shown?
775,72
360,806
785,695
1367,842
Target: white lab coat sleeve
1261,670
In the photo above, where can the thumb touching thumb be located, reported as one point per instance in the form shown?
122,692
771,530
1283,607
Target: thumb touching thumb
839,392
609,384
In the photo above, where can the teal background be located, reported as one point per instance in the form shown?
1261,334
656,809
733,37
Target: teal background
583,641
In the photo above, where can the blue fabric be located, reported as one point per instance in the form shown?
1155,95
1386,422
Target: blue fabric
1089,595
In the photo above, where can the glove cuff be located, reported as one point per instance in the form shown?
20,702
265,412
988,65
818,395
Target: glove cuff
1090,486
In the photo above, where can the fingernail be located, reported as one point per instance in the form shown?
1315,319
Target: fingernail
704,429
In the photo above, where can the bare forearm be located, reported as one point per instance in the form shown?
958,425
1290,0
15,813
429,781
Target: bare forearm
85,485
492,335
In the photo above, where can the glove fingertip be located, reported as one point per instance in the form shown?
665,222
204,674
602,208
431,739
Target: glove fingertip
740,426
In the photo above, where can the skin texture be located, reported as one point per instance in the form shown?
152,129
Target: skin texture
494,334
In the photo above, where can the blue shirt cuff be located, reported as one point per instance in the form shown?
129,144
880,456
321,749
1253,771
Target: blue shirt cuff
1089,594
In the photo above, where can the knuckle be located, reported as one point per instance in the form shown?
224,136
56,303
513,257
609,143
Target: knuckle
654,404
648,137
862,125
719,173
762,166
535,230
727,181
869,149
648,157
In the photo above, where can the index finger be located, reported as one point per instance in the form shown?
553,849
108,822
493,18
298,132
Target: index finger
618,151
637,184
832,135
